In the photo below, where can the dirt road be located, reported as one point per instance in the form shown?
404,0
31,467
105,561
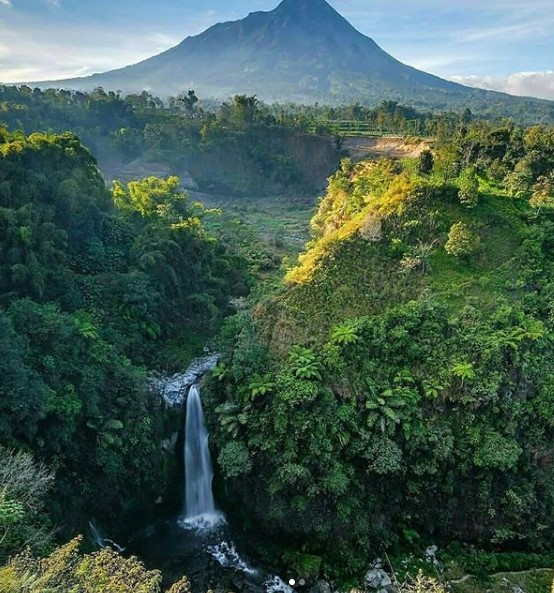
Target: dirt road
360,148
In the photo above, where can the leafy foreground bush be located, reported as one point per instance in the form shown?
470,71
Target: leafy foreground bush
24,487
68,570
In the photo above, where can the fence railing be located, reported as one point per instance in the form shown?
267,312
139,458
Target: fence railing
353,127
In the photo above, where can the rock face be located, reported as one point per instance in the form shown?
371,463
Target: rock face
173,390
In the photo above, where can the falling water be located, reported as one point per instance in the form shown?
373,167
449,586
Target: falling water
199,500
277,585
201,530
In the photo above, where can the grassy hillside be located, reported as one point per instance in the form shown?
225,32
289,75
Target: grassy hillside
379,241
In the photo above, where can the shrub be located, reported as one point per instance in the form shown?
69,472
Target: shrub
468,188
67,570
461,241
234,459
426,163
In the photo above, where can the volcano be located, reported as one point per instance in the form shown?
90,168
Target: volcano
302,51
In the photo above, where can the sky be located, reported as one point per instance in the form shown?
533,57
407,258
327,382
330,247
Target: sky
505,45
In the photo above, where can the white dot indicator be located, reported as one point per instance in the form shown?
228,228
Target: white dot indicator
292,582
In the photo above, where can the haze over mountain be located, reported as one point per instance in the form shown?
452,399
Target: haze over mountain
302,51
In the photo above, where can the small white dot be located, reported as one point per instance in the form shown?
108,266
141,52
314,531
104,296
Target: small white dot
301,582
292,582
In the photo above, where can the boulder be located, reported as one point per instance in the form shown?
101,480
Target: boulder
377,579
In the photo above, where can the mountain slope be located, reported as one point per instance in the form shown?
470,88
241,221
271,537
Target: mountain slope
301,51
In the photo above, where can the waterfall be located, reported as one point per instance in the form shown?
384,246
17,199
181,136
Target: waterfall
199,501
199,512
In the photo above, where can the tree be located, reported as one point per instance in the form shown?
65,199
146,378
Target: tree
520,179
151,197
244,109
426,163
461,242
468,188
186,103
463,370
467,116
543,193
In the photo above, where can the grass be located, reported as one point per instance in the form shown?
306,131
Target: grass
269,231
497,219
344,276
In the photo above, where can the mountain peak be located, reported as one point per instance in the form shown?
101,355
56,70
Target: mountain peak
303,4
306,8
312,15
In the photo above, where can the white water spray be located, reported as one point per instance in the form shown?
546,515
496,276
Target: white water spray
228,557
277,585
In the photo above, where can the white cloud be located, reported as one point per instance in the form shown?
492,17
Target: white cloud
434,62
521,26
526,84
6,2
518,30
39,55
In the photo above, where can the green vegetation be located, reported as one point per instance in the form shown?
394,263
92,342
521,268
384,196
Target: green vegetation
462,242
394,389
240,147
533,581
398,387
68,570
267,231
24,489
96,288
